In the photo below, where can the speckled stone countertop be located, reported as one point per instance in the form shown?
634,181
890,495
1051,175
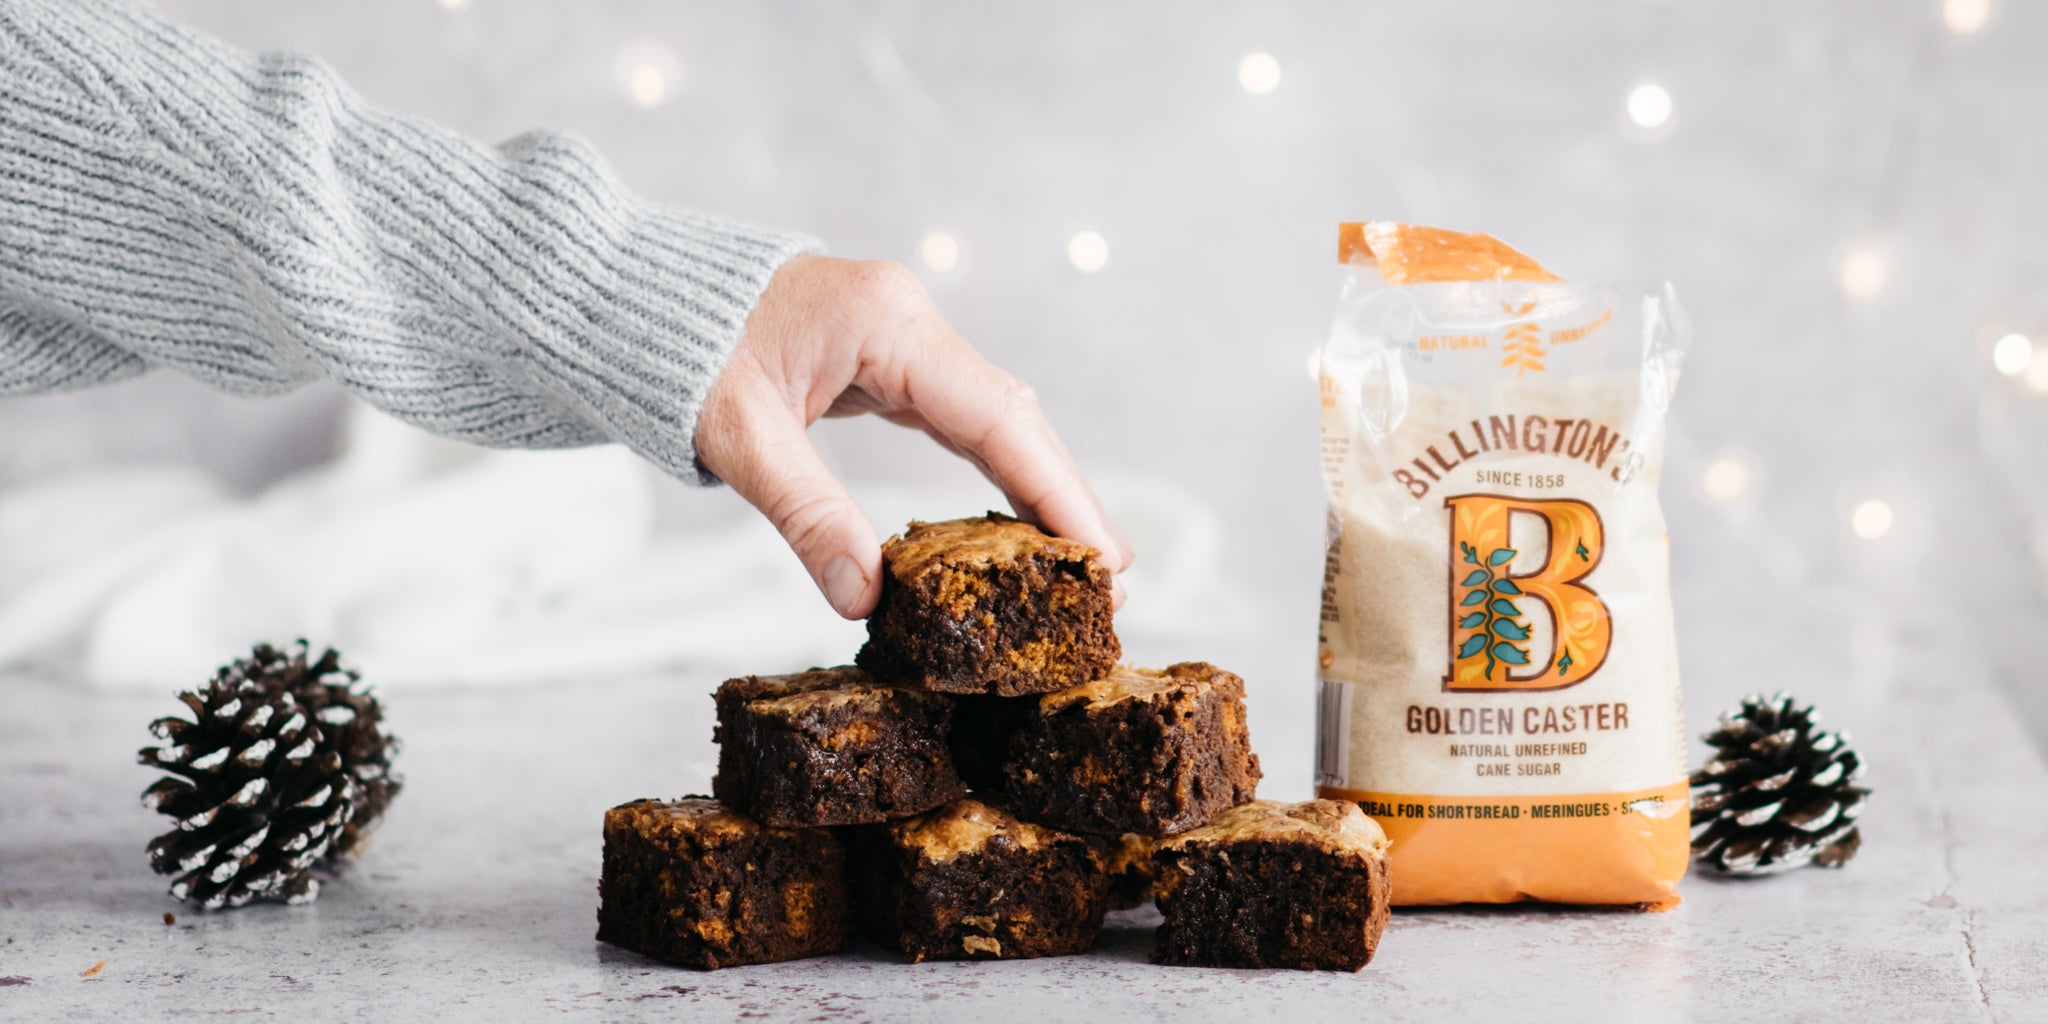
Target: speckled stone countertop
479,898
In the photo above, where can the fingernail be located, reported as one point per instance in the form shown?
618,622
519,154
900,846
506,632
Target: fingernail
844,584
1122,553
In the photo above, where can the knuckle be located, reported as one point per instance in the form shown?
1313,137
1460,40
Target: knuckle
1014,408
805,520
886,284
1020,398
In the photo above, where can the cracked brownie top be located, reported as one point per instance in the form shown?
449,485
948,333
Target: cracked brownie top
1337,826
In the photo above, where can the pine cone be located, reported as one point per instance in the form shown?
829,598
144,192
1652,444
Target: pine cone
351,721
1778,793
285,768
256,801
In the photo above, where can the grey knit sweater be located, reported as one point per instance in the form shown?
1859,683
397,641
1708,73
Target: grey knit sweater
167,201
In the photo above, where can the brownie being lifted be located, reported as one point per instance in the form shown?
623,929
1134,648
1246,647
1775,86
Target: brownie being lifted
1141,750
971,881
1274,885
691,882
832,747
990,605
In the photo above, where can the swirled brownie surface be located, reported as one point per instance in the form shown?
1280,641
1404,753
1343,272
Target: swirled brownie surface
1150,751
1269,884
692,882
832,747
972,881
990,605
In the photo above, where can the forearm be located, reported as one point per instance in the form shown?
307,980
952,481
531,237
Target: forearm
168,201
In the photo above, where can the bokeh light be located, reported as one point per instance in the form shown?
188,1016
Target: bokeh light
2012,354
1727,478
1649,105
1259,73
1872,519
1087,251
648,74
1863,273
1965,17
940,251
2036,377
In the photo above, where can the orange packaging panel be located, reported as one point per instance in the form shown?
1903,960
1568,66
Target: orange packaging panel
1413,254
1606,848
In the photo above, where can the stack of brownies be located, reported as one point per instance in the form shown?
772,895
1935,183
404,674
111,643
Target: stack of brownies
985,783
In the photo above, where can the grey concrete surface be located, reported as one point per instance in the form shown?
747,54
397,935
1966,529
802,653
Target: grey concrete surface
478,899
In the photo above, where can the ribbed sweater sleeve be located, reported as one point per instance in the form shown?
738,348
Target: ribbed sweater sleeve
168,201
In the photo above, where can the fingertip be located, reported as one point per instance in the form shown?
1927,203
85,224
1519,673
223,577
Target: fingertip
1115,550
1090,529
1124,552
1117,594
779,472
851,588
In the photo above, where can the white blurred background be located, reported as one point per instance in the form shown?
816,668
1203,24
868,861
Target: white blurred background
1133,206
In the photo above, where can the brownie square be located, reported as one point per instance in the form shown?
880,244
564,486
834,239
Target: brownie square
1150,751
1274,885
832,747
970,881
990,605
692,882
1132,873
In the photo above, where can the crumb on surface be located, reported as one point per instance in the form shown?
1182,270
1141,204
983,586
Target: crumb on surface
170,918
94,969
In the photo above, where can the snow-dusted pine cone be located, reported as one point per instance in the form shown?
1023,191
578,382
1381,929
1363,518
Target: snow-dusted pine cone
256,801
1779,793
351,722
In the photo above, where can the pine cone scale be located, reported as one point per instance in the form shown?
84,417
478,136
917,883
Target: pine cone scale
208,762
167,794
1816,815
1757,815
257,755
179,851
168,729
1838,852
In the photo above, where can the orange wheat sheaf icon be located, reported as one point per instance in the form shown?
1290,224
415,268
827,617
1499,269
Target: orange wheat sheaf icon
1523,342
1492,606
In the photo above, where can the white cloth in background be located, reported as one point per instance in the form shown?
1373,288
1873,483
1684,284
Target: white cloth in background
428,562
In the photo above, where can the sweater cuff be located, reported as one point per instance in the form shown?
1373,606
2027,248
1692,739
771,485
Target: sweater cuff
717,270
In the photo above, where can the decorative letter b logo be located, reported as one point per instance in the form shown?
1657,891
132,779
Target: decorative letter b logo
1492,635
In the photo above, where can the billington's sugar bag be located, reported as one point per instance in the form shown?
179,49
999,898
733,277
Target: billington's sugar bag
1499,678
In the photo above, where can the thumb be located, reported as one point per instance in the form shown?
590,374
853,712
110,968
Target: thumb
770,461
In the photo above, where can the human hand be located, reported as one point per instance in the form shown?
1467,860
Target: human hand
835,337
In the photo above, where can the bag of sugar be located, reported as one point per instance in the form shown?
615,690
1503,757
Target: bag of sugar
1499,676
